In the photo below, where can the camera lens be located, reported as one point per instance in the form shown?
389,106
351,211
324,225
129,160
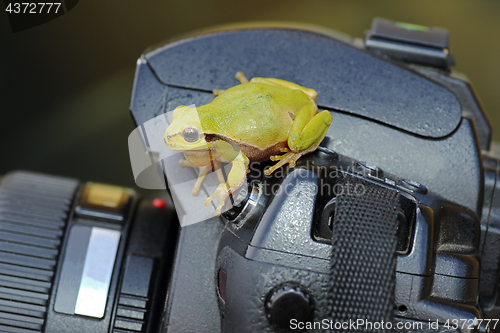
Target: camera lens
88,258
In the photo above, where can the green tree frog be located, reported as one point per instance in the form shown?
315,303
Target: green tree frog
250,122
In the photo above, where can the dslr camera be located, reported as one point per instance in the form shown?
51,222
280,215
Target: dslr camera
389,225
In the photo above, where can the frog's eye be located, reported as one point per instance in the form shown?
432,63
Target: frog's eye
190,134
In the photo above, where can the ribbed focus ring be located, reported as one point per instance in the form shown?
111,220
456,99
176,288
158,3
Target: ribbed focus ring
33,214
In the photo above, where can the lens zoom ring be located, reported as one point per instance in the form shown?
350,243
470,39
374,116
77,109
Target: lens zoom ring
33,214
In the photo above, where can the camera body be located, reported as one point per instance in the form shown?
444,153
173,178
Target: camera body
272,246
396,105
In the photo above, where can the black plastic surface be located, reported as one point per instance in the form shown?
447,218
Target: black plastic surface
137,276
425,161
141,299
148,95
238,315
192,303
471,106
345,78
490,240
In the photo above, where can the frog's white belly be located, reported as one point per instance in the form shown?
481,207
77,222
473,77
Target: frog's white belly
198,158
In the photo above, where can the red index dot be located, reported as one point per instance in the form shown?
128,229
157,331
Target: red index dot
159,203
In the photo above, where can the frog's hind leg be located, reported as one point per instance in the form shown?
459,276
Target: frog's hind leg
313,94
290,157
305,136
241,77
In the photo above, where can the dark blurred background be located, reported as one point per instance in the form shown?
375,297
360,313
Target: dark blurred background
65,85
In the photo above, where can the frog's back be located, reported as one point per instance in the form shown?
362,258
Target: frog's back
256,114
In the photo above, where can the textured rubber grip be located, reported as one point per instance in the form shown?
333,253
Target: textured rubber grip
33,214
363,258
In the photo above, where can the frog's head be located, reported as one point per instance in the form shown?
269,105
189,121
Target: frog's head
185,132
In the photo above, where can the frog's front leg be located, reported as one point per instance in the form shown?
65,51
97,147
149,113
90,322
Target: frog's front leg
235,179
308,130
201,176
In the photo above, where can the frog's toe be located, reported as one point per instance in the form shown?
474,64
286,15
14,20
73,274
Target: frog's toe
280,157
289,157
293,160
196,188
212,197
222,192
283,159
219,208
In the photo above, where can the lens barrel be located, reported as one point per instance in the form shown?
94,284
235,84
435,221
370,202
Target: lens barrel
81,257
